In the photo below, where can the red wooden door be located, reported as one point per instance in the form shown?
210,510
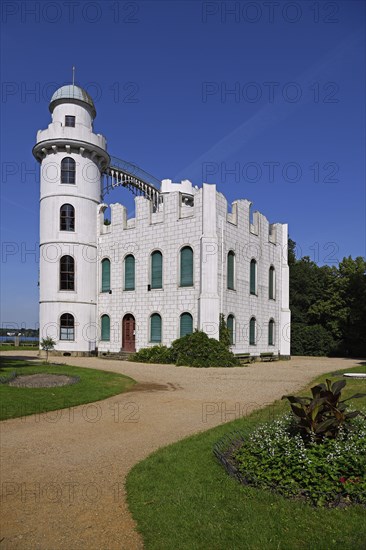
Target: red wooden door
128,333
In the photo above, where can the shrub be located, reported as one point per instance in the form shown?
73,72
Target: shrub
322,415
224,333
155,354
332,473
311,340
198,350
192,350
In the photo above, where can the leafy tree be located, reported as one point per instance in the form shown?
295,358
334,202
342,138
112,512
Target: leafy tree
47,344
224,333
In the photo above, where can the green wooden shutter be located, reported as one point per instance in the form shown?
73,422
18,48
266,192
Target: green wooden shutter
271,283
186,266
156,270
130,272
230,270
106,275
186,324
230,326
106,327
252,332
155,328
253,273
271,333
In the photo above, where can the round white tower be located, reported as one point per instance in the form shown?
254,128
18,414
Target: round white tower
72,160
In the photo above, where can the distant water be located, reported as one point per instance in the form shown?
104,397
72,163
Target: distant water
21,338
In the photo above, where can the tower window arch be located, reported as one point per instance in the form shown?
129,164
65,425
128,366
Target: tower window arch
129,272
155,328
105,328
67,217
271,332
67,327
186,324
230,323
186,266
253,277
252,331
106,275
67,273
68,169
231,270
271,283
156,269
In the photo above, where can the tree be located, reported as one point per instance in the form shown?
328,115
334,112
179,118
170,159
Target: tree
47,344
224,332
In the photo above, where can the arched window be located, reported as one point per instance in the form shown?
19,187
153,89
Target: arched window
106,275
68,170
271,283
271,332
67,218
130,272
186,324
105,328
67,327
155,328
67,273
231,270
230,323
186,266
156,269
253,277
252,331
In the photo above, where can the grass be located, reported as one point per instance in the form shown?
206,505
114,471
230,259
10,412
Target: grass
182,498
11,347
94,385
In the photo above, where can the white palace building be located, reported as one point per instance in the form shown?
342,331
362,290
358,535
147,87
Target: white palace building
184,259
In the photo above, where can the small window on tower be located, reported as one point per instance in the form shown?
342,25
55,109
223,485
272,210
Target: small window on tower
70,121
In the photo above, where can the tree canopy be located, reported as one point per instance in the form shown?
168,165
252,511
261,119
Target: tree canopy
328,306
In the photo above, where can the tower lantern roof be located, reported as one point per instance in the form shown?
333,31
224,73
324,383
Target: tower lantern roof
72,94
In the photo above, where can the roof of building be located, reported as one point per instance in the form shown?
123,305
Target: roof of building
71,91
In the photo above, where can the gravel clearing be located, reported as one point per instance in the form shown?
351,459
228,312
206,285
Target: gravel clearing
43,381
63,472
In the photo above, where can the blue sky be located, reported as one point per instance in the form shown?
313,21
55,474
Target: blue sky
265,99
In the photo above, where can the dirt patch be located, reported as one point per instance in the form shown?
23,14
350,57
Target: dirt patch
43,381
155,387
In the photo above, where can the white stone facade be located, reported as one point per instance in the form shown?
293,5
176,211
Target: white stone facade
187,216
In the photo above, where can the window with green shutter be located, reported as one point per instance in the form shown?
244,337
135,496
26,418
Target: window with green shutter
186,266
106,275
271,333
252,331
130,272
253,277
155,328
230,270
186,324
156,269
271,283
230,326
106,328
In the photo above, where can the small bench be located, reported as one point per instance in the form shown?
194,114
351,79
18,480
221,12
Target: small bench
267,356
245,358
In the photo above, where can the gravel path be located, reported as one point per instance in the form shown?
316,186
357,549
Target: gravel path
63,472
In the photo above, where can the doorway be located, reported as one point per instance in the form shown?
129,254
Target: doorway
128,333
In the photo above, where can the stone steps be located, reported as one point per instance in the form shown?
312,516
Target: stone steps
119,356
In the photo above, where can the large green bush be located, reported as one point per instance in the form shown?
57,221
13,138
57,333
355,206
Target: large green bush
192,350
155,354
310,340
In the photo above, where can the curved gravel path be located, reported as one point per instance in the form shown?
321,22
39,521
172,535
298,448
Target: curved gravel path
63,472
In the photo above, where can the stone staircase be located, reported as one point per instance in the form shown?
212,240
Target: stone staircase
119,356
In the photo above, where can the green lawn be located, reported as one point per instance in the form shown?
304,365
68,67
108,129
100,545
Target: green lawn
11,347
182,498
94,385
